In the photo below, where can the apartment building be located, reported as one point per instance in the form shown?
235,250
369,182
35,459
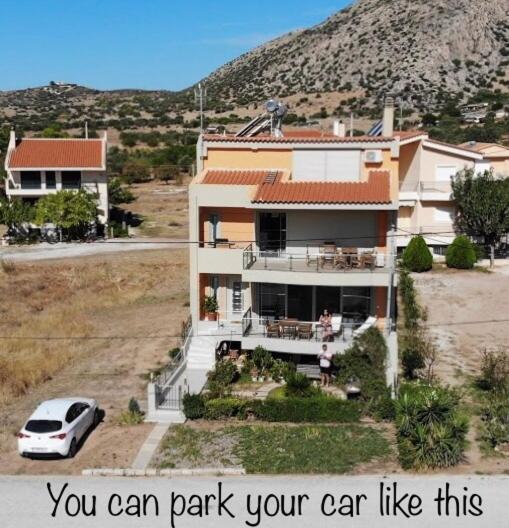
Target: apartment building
36,167
290,226
425,170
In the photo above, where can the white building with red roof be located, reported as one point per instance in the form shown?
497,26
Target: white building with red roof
38,166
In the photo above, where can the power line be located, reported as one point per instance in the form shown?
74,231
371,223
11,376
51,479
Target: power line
229,334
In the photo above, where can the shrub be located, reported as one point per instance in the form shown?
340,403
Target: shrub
315,409
495,417
224,408
494,371
133,406
133,414
262,359
194,406
412,356
461,254
220,379
278,370
411,307
417,257
430,432
210,304
298,386
174,352
365,360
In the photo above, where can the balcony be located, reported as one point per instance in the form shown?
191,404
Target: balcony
435,191
320,266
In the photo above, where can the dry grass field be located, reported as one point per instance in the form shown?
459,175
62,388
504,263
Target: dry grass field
124,308
163,208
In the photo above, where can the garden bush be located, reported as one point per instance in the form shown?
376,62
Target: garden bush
219,408
494,372
417,257
194,406
461,253
412,355
318,409
298,385
430,431
411,307
220,379
262,360
495,417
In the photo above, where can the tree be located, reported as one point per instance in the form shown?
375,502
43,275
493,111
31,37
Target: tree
118,194
461,253
54,131
167,173
15,214
73,211
482,206
417,256
135,171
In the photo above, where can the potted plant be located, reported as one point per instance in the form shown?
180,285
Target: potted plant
210,308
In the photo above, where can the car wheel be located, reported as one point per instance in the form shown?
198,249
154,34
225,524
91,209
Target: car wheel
97,418
72,449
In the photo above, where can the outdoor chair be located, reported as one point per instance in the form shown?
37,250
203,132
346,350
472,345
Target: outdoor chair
273,330
367,260
340,260
336,321
327,254
305,331
288,330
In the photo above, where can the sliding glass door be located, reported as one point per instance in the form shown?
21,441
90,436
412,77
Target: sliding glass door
272,232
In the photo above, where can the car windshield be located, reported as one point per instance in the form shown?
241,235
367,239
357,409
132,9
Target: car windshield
43,426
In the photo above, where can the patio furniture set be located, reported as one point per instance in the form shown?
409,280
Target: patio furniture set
342,257
294,329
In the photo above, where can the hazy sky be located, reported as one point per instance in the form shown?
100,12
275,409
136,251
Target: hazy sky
139,44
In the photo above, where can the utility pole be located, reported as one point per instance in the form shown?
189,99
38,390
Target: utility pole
351,124
86,129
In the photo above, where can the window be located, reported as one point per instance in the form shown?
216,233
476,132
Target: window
30,179
272,232
51,182
75,410
43,426
71,179
356,303
237,301
272,301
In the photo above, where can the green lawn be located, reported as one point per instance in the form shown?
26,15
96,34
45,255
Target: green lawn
274,449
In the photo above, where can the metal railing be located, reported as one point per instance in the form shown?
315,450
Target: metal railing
247,322
435,187
165,377
314,261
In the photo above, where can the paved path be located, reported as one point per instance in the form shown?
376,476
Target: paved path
45,251
149,447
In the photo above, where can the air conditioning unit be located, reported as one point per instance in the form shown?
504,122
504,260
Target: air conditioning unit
373,156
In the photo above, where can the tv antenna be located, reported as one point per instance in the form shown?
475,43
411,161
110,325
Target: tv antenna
200,99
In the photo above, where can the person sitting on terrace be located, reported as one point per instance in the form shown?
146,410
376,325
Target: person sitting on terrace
326,322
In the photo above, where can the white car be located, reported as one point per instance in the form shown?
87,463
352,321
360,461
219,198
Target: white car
57,426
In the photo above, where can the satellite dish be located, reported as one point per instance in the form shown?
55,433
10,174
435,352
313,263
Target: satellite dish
271,105
281,110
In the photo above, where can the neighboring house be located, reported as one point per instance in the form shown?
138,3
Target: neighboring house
37,167
425,170
496,155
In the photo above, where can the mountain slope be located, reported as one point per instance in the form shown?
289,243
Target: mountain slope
416,49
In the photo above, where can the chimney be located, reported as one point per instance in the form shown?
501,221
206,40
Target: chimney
338,128
12,138
388,120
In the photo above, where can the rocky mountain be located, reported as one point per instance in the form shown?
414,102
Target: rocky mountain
416,49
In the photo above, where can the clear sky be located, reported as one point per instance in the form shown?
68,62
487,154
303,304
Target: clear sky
166,44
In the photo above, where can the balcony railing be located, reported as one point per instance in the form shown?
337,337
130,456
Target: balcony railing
364,260
435,187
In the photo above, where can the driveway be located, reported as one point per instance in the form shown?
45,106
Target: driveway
45,251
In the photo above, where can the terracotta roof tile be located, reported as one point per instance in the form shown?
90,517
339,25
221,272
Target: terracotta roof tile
57,153
236,177
299,138
374,191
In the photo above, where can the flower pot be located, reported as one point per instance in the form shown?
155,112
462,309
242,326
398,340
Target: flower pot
210,316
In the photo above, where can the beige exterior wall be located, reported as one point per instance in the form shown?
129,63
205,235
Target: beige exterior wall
248,159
